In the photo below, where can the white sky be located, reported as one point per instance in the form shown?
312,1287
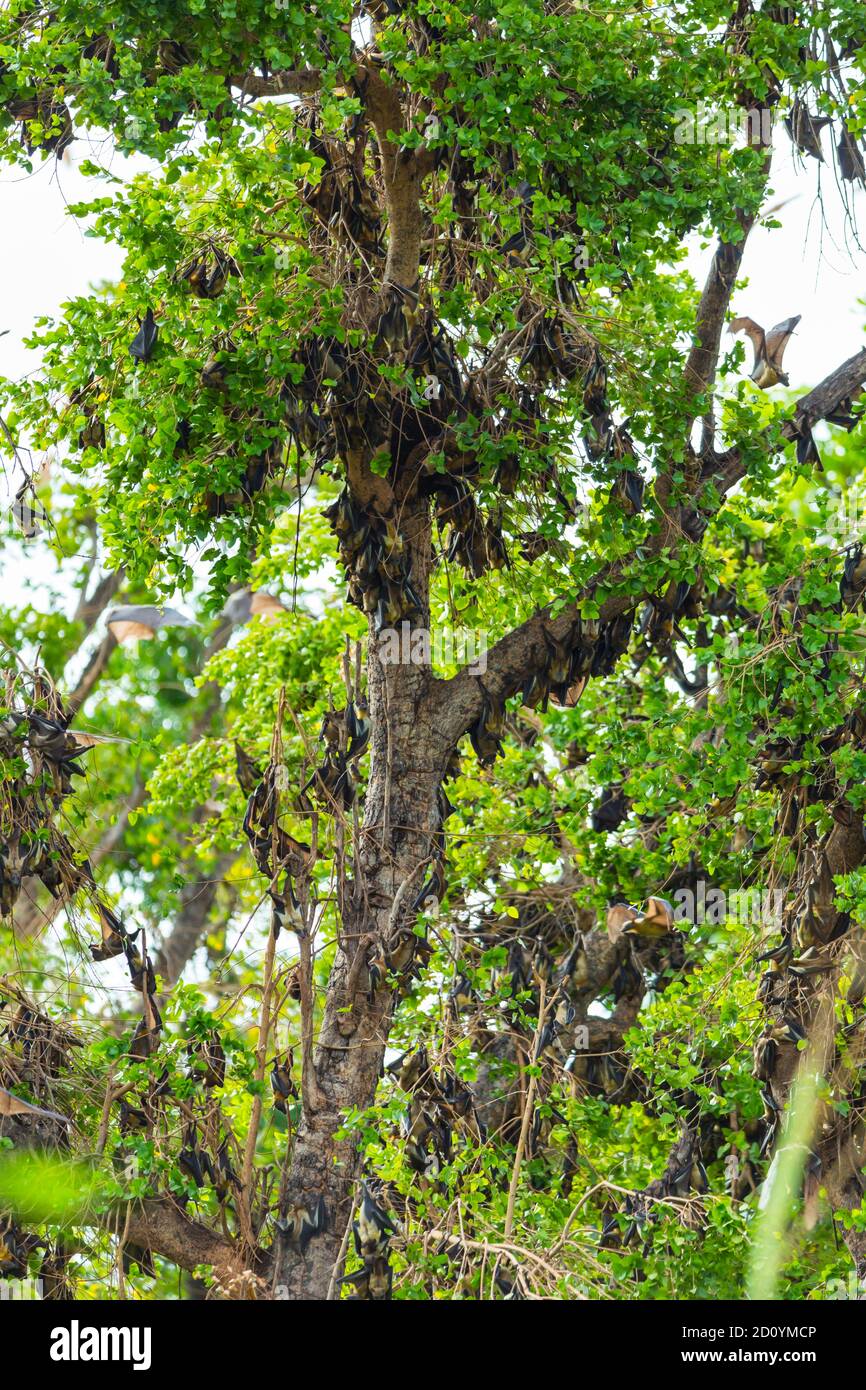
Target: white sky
798,269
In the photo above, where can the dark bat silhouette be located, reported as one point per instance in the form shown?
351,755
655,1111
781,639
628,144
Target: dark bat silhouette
144,342
805,129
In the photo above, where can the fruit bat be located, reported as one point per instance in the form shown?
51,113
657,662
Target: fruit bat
13,1105
805,129
247,603
132,1118
463,995
209,1060
628,490
372,1283
656,920
611,810
93,435
114,935
433,891
144,342
573,974
28,512
136,621
619,916
372,1228
189,1159
300,1224
485,734
282,1084
410,1068
286,911
851,165
562,1018
769,349
248,772
145,1039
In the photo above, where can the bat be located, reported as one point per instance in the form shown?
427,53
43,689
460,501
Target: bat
247,603
433,891
805,129
145,1039
301,1223
611,810
248,772
114,935
136,621
409,1068
372,1283
573,974
851,165
13,1105
282,1085
372,1228
769,349
143,344
655,921
619,916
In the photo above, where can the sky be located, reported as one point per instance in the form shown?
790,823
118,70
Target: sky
804,267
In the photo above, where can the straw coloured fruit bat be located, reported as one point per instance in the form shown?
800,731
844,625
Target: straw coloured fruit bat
136,621
769,349
805,129
300,1224
113,941
373,1227
656,920
143,344
282,1084
851,165
247,603
372,1283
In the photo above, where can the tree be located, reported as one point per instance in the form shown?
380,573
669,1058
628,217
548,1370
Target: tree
401,291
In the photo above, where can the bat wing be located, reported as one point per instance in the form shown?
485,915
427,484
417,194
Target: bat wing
238,606
14,1105
777,339
142,620
262,602
144,342
754,332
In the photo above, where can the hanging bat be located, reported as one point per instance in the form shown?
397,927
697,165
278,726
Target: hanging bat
114,935
573,974
300,1224
247,603
248,772
136,621
13,1105
27,511
851,165
373,1227
409,1068
769,349
143,344
805,128
433,891
286,911
282,1085
145,1039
